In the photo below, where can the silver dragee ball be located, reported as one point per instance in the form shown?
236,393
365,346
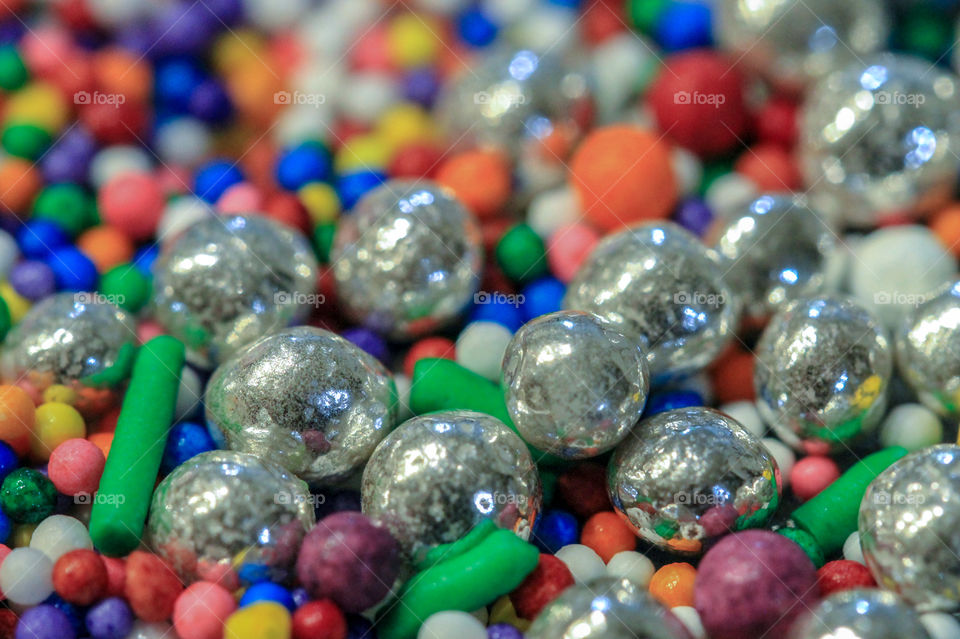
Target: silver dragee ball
80,340
687,476
880,138
928,351
224,511
573,384
225,281
408,259
863,613
778,250
606,608
910,528
659,285
306,399
791,42
822,372
436,476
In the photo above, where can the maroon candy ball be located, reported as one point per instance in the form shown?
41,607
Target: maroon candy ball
348,559
753,583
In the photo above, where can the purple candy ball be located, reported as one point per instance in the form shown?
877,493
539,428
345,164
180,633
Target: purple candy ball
694,215
44,622
503,631
184,29
350,560
754,583
109,619
32,279
368,341
421,86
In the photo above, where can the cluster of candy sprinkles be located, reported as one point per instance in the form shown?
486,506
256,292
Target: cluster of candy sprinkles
479,319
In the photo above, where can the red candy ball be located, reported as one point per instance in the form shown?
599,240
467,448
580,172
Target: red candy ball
80,577
428,347
116,576
812,474
152,587
771,168
583,489
416,160
76,466
133,203
548,579
118,123
843,574
777,123
319,620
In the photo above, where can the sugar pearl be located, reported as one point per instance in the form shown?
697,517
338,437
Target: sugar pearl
183,141
152,630
633,565
114,160
369,96
688,169
728,192
59,534
912,426
551,210
188,395
852,549
940,625
26,576
747,415
583,562
452,623
480,348
180,214
690,619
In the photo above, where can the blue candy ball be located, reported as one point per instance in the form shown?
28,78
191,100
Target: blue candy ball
476,28
353,186
308,162
72,270
214,178
684,25
670,400
6,527
498,307
186,440
144,258
8,460
542,296
268,591
37,239
174,82
556,529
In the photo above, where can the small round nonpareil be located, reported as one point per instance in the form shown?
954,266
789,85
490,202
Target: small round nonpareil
690,475
436,476
868,613
661,287
306,399
225,281
407,259
910,528
573,384
822,372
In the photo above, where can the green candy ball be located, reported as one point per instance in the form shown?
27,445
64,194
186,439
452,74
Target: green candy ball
25,141
521,254
67,205
27,496
13,73
126,286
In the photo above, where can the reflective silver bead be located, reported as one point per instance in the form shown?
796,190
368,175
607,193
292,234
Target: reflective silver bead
224,511
778,249
910,528
867,613
606,608
822,372
305,399
659,285
688,476
573,384
436,476
408,259
225,281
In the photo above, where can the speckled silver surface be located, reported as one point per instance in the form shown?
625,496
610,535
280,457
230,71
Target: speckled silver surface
928,351
660,286
306,399
778,249
573,384
407,259
860,614
606,608
228,280
686,476
794,41
910,528
77,339
880,137
436,476
223,508
822,372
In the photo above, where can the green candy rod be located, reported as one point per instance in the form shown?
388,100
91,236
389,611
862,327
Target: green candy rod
119,513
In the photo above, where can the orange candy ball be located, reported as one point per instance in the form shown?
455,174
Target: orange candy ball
623,175
19,183
106,246
672,585
481,179
770,167
607,535
118,72
946,225
17,414
732,376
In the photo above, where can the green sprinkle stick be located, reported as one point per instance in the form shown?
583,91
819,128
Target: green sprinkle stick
120,510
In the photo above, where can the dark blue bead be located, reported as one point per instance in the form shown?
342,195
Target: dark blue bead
553,531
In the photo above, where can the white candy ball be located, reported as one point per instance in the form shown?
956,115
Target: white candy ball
275,15
729,192
451,624
783,455
114,160
620,66
852,549
940,625
152,630
181,213
481,346
503,12
632,565
302,122
691,619
369,96
59,534
9,254
688,169
189,394
183,141
26,576
117,13
443,7
747,414
403,384
583,562
553,209
912,426
545,29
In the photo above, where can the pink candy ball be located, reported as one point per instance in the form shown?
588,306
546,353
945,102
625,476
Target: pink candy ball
812,474
76,466
200,610
134,203
568,247
45,48
147,330
240,198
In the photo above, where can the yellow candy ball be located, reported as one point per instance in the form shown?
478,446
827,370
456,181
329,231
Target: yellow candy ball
39,104
405,123
363,152
60,393
54,424
238,48
413,40
264,620
321,201
17,304
21,535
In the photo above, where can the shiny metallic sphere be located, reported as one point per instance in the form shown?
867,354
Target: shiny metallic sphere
573,384
408,259
436,476
305,399
867,613
687,476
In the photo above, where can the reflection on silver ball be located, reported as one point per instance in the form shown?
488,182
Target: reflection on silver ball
867,613
225,511
407,259
306,399
79,340
691,475
928,351
573,384
228,280
778,250
881,138
659,285
794,41
822,372
910,528
436,476
606,608
513,100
